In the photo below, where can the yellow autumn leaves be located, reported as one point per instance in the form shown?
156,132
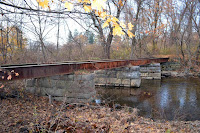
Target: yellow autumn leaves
43,3
69,6
119,28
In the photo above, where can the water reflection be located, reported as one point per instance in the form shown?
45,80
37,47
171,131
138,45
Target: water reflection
170,98
181,95
164,97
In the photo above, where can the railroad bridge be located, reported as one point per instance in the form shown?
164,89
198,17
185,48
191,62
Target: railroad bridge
75,81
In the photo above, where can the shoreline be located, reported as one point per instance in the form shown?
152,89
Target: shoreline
165,74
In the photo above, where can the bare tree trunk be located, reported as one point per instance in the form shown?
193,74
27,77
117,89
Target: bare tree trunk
58,32
41,39
156,15
133,44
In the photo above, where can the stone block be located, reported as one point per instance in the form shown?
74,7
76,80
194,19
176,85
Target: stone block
111,73
155,75
143,74
132,75
87,84
77,77
119,69
101,76
100,71
67,77
63,84
113,81
86,77
154,65
153,68
46,82
126,82
54,91
57,77
30,82
135,82
126,69
38,90
147,77
31,89
135,68
100,81
129,75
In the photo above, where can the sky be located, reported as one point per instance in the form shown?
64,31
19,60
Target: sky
29,23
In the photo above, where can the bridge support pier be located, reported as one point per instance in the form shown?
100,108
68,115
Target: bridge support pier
125,76
71,88
151,71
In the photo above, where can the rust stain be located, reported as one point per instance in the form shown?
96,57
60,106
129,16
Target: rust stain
28,71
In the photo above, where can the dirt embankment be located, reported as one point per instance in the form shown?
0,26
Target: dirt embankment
35,114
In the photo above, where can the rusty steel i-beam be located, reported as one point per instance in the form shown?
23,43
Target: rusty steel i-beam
27,71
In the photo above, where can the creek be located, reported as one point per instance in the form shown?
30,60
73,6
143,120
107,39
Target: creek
169,98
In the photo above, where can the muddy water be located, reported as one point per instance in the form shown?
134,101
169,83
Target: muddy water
169,98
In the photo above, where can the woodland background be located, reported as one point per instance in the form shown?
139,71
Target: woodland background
162,28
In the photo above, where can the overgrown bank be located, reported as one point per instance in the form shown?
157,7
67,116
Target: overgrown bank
177,69
35,114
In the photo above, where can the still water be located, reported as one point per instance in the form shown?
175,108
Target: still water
169,98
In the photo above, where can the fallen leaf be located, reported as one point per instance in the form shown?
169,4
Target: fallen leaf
9,77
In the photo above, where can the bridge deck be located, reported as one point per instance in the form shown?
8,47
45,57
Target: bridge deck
27,71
